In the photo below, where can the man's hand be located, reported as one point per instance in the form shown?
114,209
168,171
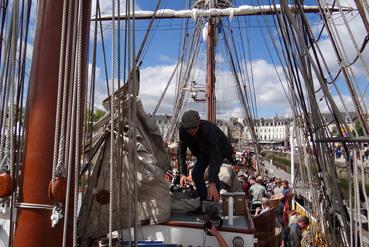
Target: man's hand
213,231
213,194
183,181
257,211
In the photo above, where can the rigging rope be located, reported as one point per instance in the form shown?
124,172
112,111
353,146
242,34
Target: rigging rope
91,102
5,99
347,70
112,104
7,154
78,126
362,169
356,211
61,93
358,51
134,84
70,105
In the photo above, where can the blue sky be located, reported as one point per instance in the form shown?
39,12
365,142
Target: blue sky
161,58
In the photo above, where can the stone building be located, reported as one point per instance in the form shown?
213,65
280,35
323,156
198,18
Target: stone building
274,130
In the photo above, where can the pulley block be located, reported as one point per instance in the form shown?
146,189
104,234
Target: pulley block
57,190
5,184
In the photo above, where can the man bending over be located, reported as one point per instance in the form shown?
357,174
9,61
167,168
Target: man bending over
210,146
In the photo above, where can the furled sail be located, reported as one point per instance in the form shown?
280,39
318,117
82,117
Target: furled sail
153,191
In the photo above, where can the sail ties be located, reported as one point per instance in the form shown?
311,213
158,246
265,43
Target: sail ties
194,13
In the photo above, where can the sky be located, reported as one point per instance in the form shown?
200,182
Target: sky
162,53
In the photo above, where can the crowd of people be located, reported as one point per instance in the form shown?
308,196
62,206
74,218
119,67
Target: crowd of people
261,191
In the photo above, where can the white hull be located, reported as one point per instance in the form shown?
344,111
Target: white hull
187,236
184,236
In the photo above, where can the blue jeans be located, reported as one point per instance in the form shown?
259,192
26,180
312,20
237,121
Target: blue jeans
198,171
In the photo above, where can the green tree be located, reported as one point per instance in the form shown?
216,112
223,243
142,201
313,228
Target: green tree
359,128
97,115
334,131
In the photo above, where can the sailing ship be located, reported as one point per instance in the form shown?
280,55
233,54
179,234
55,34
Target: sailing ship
53,148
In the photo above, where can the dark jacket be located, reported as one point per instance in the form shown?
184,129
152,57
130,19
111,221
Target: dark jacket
209,141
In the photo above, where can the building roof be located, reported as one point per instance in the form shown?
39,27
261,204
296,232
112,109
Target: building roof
328,117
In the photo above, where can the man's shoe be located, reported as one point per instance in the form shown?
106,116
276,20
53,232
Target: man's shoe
197,211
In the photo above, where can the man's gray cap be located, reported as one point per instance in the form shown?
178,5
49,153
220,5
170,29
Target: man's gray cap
190,119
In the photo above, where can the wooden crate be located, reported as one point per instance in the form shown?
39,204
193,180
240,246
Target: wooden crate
239,203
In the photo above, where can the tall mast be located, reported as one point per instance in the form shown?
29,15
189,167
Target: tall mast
33,226
210,77
210,71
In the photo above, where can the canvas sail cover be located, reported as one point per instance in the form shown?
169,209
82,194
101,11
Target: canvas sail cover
153,191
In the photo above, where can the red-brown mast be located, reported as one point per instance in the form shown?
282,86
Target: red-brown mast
210,96
33,227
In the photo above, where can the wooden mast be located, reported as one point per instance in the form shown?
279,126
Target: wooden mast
210,77
33,226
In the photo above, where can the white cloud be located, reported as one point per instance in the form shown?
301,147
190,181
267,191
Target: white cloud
106,6
153,81
268,89
269,92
